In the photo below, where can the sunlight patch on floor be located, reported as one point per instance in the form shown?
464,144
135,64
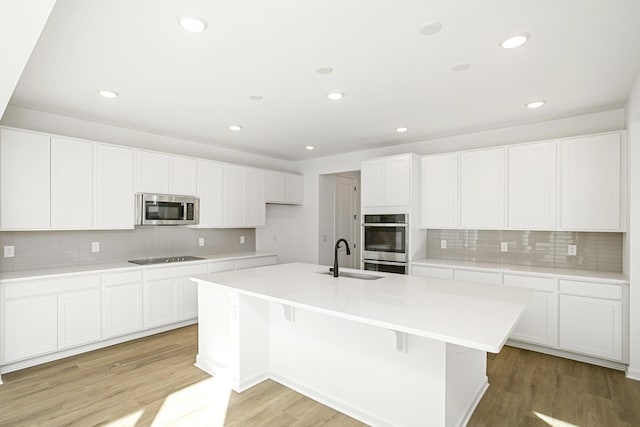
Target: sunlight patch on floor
553,422
130,420
203,403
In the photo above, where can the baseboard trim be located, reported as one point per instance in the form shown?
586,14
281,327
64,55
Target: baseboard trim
633,374
464,420
619,366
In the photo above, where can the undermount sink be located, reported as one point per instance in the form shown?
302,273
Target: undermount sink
360,276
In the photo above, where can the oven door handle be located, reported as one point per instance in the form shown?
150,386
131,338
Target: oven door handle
372,261
369,224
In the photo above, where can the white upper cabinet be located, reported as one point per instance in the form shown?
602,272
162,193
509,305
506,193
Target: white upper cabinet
439,187
283,188
114,187
183,176
387,182
25,180
591,183
243,196
151,172
482,188
210,193
71,184
532,186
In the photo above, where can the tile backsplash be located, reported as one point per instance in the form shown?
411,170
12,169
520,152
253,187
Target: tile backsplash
50,249
595,251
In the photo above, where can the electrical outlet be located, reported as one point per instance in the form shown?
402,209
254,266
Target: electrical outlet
504,246
242,240
201,241
95,246
572,249
443,244
9,251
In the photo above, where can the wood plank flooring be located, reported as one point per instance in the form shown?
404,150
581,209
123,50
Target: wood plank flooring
152,381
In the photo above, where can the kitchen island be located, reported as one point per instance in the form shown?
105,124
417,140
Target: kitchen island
396,351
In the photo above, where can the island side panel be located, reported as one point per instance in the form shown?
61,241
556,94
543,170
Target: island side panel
466,382
357,369
214,330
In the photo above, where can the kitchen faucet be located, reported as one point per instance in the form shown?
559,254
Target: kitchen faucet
335,255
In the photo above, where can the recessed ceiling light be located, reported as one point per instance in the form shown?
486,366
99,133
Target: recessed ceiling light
462,66
430,28
235,127
401,129
535,104
108,93
324,70
335,96
309,147
515,41
193,24
255,97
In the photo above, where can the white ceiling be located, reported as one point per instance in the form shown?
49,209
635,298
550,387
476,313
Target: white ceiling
583,56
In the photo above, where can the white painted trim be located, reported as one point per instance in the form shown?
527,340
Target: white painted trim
466,416
633,374
337,404
569,355
251,381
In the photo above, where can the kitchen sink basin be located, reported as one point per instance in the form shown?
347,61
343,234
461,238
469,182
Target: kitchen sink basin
360,276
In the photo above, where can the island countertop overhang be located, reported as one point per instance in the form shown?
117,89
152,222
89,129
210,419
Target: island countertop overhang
474,315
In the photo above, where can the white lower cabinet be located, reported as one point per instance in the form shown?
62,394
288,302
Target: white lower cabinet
79,318
160,302
188,300
122,303
591,326
30,327
477,276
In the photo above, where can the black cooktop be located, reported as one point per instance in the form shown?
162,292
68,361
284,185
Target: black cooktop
148,261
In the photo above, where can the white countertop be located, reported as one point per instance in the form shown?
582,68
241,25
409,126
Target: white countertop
537,271
474,315
44,273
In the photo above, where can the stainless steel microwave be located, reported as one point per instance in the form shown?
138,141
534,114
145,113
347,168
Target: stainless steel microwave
166,209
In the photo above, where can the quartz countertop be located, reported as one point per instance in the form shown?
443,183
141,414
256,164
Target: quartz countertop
44,273
611,277
474,315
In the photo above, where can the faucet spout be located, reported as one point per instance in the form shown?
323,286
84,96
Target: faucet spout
335,255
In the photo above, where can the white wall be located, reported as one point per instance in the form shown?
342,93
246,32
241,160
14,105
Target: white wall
307,218
326,218
68,126
633,235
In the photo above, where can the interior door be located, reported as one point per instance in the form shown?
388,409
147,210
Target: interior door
346,219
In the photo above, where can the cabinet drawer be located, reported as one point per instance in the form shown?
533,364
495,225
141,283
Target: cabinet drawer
51,286
432,272
112,279
537,283
255,262
477,276
215,267
173,272
586,289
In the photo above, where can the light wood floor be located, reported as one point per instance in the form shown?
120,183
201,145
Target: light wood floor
152,381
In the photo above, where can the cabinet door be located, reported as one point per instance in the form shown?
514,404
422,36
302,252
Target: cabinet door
123,309
233,195
477,276
114,187
397,181
275,191
161,302
79,318
25,180
151,172
591,183
532,186
183,176
373,183
71,184
482,189
188,300
591,326
210,193
439,188
254,203
537,324
30,327
293,189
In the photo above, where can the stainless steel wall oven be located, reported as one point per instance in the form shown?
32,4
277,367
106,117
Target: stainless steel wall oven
385,243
